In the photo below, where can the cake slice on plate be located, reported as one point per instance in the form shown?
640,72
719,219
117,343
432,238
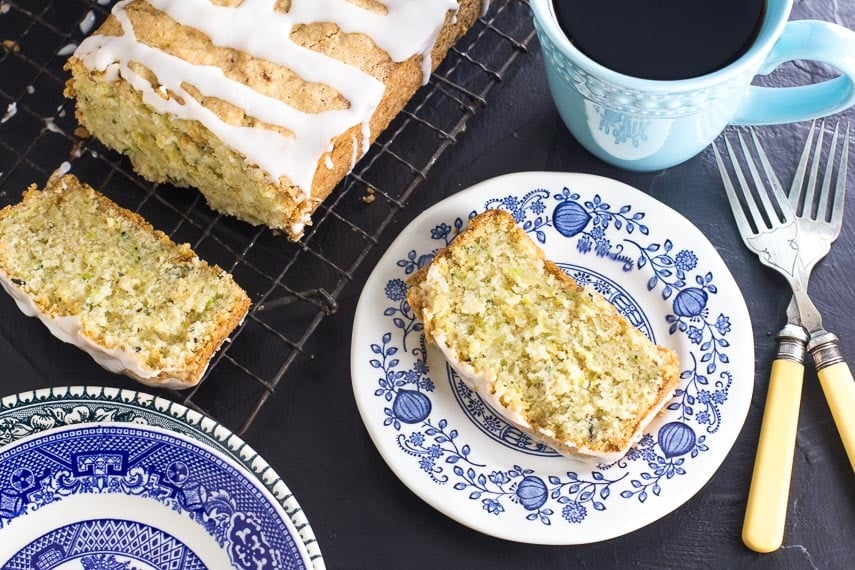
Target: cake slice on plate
552,357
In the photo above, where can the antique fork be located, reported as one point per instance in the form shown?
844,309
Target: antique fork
791,245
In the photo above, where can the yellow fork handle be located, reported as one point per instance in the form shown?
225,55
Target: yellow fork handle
837,384
839,389
766,513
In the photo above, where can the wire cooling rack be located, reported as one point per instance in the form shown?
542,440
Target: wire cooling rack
293,286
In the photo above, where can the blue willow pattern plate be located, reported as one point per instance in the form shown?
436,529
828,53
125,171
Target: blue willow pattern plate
457,454
101,478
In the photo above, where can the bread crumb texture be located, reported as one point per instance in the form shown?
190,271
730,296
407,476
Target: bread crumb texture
77,254
555,354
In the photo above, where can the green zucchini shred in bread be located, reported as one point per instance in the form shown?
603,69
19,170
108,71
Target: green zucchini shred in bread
553,358
101,277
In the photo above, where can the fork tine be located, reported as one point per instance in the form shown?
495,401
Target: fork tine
807,209
732,198
777,192
822,203
759,222
840,187
797,187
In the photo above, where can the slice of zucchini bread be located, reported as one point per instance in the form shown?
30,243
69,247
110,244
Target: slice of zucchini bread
553,358
100,277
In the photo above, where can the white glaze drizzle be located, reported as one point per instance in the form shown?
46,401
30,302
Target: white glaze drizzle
408,28
67,49
63,169
354,153
87,22
11,111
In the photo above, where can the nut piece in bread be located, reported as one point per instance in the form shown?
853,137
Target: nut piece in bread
100,277
553,358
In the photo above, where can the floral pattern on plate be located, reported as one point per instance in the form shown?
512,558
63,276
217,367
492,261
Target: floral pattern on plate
139,474
459,455
32,415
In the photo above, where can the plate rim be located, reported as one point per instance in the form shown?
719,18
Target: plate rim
435,500
226,444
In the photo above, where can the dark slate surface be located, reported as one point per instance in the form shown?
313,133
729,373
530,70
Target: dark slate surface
364,517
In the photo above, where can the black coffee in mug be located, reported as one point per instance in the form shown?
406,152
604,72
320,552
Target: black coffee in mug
661,39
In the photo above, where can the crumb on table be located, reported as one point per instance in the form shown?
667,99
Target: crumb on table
11,46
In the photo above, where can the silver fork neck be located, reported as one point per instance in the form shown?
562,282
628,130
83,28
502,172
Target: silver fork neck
808,313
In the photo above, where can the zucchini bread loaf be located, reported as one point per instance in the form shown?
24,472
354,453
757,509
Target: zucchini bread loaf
553,358
100,277
263,105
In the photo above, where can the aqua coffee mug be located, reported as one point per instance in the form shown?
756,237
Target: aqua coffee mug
644,124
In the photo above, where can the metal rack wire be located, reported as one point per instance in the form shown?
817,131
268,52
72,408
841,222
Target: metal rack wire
294,286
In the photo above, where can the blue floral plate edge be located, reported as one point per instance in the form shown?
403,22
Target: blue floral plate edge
198,426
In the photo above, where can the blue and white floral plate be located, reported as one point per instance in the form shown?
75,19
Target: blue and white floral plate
101,478
453,451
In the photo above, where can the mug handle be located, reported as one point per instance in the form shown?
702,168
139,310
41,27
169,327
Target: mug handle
807,40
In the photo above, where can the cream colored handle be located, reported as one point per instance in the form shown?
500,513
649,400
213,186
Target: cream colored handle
839,389
766,513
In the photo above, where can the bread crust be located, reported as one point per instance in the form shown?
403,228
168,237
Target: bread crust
614,450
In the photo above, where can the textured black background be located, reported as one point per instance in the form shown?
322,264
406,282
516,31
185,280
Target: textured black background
364,517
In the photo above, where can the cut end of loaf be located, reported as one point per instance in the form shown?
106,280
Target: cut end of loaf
183,153
101,277
554,358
